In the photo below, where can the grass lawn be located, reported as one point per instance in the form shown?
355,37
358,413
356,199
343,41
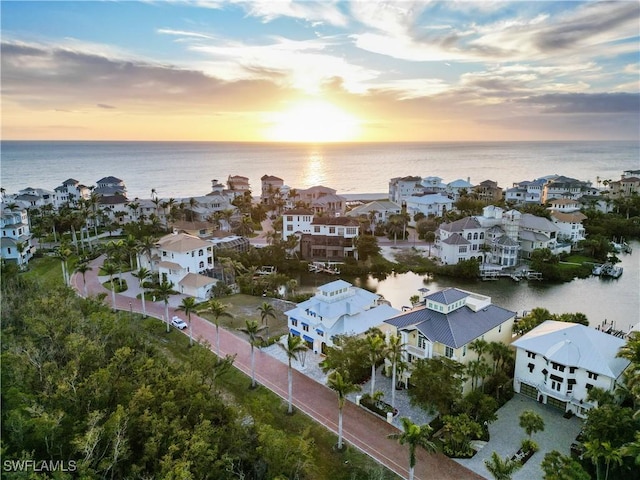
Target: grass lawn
48,269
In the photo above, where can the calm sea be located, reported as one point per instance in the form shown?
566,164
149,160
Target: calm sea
185,169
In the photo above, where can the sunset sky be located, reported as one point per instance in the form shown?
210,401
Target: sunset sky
320,71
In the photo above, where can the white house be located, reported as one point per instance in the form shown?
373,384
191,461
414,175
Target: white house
557,363
566,215
337,308
15,243
527,191
296,222
460,240
450,320
457,186
402,187
381,210
538,232
435,204
70,192
565,187
183,260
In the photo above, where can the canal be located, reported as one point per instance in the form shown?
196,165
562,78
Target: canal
614,300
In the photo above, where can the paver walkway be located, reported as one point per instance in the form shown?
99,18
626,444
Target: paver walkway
361,429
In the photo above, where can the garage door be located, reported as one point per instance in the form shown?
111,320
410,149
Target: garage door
559,404
529,391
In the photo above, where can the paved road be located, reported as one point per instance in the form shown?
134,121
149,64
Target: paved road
361,429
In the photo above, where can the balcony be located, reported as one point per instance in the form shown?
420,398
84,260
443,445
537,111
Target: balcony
416,351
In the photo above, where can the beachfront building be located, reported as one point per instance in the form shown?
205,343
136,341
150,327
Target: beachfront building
70,192
184,260
237,184
108,186
626,187
526,191
447,323
332,239
566,187
432,185
271,188
557,363
434,205
566,215
456,188
400,188
337,308
34,197
16,241
539,232
115,208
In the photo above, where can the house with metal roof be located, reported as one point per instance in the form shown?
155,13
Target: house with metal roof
447,323
378,210
337,308
557,363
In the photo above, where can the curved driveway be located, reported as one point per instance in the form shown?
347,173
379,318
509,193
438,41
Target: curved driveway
364,431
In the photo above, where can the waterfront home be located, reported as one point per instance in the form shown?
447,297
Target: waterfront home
566,187
378,211
402,187
539,232
34,197
488,191
184,260
526,191
238,184
566,215
331,239
460,240
70,192
447,323
557,363
271,186
16,241
432,185
457,187
108,186
296,221
626,187
435,204
321,199
337,308
115,207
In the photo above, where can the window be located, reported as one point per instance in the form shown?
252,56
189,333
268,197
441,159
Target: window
499,328
351,231
572,369
481,235
592,375
201,265
448,352
531,366
316,229
422,342
305,327
332,229
468,236
294,322
200,253
289,228
289,218
588,386
464,350
9,250
557,366
556,386
475,236
462,249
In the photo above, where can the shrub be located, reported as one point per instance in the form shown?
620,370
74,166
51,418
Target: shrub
377,406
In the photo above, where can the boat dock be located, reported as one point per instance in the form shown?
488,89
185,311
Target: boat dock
325,267
488,275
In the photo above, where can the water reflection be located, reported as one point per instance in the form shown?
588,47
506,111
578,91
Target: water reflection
314,171
616,300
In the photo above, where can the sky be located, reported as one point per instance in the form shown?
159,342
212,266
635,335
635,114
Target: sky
320,71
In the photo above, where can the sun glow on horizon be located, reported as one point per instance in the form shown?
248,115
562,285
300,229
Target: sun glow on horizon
313,121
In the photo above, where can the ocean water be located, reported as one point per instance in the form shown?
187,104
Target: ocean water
185,169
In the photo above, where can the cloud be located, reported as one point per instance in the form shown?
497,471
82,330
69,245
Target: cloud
315,12
183,33
586,102
105,106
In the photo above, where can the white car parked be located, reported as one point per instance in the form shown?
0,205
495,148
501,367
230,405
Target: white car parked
179,323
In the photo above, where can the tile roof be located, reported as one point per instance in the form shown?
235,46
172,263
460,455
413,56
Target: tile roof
456,239
577,345
195,280
181,242
462,224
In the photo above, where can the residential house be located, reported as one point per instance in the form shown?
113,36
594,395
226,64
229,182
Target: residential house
34,197
527,191
488,191
238,185
435,204
330,239
115,207
16,241
625,187
460,240
337,308
449,321
566,215
184,260
402,187
539,232
457,187
322,199
565,187
432,185
271,186
70,192
379,211
296,221
108,186
557,363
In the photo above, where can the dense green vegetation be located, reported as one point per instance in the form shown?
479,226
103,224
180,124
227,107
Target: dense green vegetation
123,399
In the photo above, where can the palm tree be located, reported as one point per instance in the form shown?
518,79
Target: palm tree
393,353
501,469
479,345
266,311
217,309
187,306
414,435
83,268
595,449
163,292
110,269
375,350
531,422
145,246
142,274
292,348
252,329
342,388
500,352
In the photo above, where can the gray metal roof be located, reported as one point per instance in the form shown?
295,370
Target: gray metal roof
447,296
456,239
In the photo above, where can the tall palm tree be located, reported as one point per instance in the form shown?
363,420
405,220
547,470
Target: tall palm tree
252,329
500,352
145,246
501,469
266,311
83,268
142,274
479,345
292,349
393,353
63,254
414,435
163,292
375,351
342,388
188,305
110,269
217,309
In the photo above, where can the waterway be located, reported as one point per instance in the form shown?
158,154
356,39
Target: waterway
600,299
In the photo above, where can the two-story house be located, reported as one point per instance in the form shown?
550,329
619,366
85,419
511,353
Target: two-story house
449,321
330,239
536,233
557,363
460,240
566,215
377,211
337,308
183,260
457,187
434,204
